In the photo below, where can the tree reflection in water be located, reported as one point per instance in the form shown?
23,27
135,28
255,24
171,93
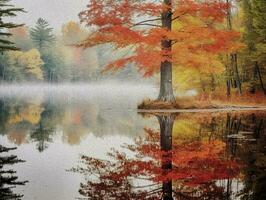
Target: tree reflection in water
160,166
8,178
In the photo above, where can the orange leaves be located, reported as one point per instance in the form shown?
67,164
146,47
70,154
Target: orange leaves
147,59
188,165
222,41
209,10
104,13
117,64
196,39
199,46
123,36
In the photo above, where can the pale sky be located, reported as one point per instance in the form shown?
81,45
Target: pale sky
56,12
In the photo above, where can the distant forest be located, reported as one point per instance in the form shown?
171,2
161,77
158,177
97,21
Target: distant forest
44,56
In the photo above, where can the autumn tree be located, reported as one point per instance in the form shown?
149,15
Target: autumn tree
170,168
73,33
146,27
25,65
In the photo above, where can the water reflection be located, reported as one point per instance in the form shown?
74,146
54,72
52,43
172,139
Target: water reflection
54,125
184,156
39,121
194,156
8,177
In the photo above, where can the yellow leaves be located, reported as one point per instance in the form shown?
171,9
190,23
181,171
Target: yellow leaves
185,130
185,78
15,119
30,113
197,49
29,61
73,33
32,62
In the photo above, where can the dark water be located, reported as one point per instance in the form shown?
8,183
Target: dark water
96,146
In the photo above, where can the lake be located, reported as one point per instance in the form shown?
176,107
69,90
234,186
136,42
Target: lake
89,141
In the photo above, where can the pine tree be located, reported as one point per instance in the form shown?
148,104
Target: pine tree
42,34
7,10
8,178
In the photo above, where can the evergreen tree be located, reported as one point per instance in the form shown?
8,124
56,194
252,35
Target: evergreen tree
42,35
8,178
7,10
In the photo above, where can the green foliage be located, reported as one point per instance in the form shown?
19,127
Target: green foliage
259,18
4,68
41,34
55,68
7,10
253,56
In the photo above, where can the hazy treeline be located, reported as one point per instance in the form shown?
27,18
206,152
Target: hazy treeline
50,57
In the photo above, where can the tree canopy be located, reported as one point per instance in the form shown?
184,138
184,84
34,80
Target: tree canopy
138,25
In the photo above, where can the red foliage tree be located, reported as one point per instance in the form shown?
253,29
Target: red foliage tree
137,174
146,26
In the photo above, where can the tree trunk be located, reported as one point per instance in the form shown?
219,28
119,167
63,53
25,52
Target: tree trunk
260,77
4,73
233,64
166,127
166,88
212,82
237,73
228,76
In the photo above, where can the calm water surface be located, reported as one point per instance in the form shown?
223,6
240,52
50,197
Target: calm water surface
89,142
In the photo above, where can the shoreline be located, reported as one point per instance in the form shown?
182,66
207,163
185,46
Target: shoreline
195,110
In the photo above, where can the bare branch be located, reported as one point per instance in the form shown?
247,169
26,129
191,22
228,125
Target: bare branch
146,24
179,16
148,20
